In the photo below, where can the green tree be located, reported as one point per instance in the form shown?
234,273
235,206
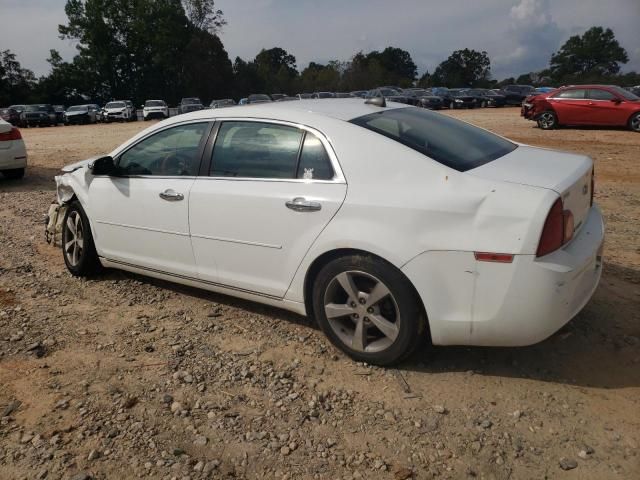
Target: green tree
464,68
596,53
16,83
426,80
277,70
148,48
208,70
392,66
204,16
317,77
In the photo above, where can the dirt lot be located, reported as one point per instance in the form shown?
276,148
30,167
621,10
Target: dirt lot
126,377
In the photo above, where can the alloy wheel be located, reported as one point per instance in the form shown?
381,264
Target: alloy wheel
635,123
74,245
362,311
547,120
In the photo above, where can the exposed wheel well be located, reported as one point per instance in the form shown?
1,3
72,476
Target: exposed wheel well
326,257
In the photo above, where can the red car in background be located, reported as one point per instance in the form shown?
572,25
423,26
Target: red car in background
605,105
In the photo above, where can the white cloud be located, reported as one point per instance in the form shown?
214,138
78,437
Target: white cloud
534,35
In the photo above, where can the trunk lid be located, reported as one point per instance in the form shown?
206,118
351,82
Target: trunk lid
567,174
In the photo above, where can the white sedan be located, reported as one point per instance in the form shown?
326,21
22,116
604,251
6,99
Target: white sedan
391,225
13,154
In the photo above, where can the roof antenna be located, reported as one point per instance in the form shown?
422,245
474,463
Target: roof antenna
377,101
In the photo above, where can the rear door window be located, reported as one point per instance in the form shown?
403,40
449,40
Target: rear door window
597,94
256,150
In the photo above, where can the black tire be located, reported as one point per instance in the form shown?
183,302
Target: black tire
634,122
13,174
410,315
87,262
547,120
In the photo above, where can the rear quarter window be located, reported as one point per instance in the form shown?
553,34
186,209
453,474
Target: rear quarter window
448,141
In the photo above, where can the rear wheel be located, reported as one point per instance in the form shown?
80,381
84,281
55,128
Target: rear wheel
634,122
547,120
368,309
14,173
78,248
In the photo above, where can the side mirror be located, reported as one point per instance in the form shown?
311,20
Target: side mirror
102,166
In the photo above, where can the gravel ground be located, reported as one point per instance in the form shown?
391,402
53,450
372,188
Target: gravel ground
127,377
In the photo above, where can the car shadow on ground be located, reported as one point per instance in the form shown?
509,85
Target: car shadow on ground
596,349
35,179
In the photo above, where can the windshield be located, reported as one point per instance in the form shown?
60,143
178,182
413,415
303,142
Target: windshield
154,103
626,94
115,105
446,140
77,108
36,108
191,101
325,95
259,96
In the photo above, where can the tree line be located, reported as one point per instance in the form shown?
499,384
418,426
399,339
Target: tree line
141,49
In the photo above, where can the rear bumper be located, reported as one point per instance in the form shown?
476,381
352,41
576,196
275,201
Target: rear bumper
14,156
516,304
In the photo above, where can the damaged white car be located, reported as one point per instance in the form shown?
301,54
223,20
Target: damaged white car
391,225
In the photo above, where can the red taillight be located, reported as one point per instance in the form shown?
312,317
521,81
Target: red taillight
13,134
558,229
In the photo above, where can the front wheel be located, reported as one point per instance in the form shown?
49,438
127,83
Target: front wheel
634,122
547,120
368,309
78,248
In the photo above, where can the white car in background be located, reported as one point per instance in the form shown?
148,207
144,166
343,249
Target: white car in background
118,110
13,154
155,109
390,225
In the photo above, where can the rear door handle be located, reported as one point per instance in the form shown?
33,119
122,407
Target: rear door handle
171,196
301,204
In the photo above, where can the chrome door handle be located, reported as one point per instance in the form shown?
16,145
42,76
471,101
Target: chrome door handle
301,204
171,195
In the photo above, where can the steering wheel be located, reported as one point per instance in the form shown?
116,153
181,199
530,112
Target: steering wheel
172,165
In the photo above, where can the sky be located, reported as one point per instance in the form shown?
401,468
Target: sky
518,35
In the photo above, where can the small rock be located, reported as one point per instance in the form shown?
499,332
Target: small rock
200,440
568,464
93,454
285,451
486,424
439,409
176,407
586,452
168,399
12,407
